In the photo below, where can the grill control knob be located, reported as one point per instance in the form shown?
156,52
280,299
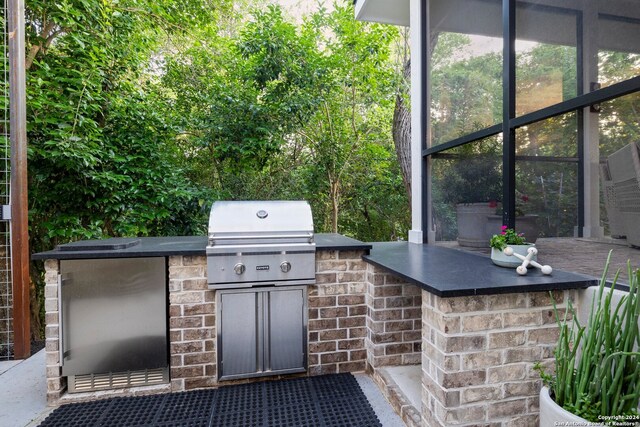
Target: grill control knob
285,267
239,268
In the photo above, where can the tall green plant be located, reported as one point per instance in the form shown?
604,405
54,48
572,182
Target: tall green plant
597,371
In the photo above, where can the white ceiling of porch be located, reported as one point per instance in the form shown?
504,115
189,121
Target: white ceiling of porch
386,11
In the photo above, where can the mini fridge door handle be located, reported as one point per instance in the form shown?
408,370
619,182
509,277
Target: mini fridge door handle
60,322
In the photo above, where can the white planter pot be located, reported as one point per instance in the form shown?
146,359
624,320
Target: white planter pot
499,258
552,415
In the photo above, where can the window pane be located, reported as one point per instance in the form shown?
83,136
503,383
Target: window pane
618,32
547,177
549,192
546,56
466,67
619,121
556,137
467,181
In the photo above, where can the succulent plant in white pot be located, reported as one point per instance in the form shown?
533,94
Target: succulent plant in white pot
597,366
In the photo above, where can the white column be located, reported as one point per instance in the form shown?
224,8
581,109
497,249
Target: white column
591,169
417,80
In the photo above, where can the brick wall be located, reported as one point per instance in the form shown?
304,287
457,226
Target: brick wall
337,313
393,320
337,321
349,298
56,384
192,324
478,357
477,353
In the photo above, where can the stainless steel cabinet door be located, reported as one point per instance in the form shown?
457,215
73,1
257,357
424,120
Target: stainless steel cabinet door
238,339
261,331
287,331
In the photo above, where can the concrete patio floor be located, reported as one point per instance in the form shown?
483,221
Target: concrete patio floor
578,255
23,391
23,394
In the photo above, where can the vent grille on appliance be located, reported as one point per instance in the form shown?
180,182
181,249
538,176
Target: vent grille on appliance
111,380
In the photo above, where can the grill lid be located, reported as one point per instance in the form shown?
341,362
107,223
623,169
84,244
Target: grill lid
260,218
260,242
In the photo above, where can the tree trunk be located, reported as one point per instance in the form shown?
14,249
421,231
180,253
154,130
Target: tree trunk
47,35
402,131
335,204
402,121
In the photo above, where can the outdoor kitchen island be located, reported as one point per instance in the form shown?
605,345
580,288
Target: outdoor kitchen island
474,329
336,312
483,328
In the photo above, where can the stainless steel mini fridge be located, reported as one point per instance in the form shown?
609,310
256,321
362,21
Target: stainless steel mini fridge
113,322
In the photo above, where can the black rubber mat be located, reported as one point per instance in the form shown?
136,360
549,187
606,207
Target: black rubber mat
328,400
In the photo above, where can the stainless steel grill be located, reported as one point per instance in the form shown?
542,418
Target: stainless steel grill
259,243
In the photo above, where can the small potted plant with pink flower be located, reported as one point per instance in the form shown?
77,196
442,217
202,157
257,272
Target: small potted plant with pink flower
508,237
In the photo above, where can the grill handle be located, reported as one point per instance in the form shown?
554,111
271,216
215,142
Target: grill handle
213,239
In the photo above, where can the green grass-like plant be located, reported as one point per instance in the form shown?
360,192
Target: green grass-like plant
597,367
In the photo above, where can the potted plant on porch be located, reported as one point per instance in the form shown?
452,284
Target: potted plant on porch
597,366
472,182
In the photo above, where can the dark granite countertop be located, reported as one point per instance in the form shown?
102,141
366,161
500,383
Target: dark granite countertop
449,272
167,246
338,242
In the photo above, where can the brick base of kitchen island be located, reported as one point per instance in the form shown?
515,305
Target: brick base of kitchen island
477,353
479,356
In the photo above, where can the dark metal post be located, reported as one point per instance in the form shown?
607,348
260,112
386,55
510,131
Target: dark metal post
508,112
19,206
424,118
580,122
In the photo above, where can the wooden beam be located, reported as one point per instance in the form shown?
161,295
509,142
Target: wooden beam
19,206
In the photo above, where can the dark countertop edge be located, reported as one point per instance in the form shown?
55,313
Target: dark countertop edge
324,242
568,280
540,287
60,255
338,242
367,259
365,248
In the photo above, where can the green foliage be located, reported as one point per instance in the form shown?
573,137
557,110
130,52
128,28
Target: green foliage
506,238
141,113
280,111
238,100
548,71
597,371
467,96
349,137
547,74
102,156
